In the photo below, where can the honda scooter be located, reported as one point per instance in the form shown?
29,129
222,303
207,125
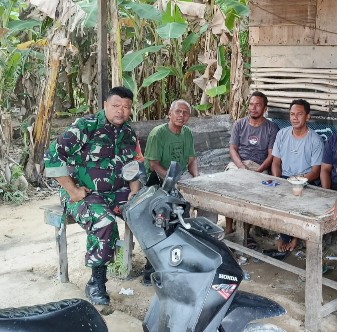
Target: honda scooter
196,277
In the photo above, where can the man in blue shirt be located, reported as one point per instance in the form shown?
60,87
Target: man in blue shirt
297,151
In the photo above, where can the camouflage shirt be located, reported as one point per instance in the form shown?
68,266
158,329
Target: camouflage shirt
92,151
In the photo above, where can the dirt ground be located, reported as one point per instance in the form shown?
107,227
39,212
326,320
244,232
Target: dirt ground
28,270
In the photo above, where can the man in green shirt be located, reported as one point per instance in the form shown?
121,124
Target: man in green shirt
167,142
172,141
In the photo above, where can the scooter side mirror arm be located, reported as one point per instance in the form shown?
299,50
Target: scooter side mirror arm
179,211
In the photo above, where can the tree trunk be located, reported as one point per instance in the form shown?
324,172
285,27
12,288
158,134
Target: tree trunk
102,54
5,139
6,133
115,46
41,131
236,75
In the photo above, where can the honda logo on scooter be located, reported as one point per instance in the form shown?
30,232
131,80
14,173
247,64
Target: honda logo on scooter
227,277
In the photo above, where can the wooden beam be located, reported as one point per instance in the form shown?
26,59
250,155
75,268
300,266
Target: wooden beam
102,53
329,308
300,56
294,86
300,70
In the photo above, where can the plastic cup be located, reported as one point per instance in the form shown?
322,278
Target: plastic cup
297,189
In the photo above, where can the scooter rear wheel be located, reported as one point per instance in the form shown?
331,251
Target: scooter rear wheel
256,327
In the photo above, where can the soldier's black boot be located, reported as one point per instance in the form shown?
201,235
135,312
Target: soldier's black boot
147,273
95,289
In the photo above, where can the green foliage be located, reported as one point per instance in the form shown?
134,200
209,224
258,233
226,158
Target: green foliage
172,15
148,104
160,51
17,171
143,10
15,63
233,9
203,108
189,41
19,26
200,68
78,111
16,197
170,70
10,194
117,268
171,30
245,49
157,76
9,75
90,8
128,81
218,90
193,38
132,60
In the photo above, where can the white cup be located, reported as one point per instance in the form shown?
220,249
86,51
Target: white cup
297,189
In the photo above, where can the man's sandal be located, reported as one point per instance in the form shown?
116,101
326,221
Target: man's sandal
251,243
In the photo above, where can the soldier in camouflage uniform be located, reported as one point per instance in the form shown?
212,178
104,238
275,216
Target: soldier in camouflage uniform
87,160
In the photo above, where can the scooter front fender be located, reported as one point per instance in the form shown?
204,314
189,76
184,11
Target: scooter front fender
247,307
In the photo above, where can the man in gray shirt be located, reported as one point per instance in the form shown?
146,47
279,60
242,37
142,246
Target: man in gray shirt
251,141
298,150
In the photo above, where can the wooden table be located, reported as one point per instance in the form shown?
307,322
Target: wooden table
240,194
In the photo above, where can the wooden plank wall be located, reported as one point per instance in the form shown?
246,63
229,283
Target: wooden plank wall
294,51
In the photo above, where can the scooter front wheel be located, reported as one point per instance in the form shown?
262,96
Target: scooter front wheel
256,327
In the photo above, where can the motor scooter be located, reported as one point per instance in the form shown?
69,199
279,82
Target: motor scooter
196,276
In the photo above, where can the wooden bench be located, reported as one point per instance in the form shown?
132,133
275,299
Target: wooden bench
53,215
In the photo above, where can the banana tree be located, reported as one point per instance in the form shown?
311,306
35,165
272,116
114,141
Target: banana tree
66,15
194,56
14,64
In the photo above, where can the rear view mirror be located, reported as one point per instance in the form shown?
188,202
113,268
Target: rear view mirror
173,174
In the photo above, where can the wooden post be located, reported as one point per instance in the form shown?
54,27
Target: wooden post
313,286
53,216
102,54
61,248
127,249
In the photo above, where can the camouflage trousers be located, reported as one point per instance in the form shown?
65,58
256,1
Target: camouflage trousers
96,213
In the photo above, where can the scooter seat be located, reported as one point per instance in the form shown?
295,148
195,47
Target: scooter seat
73,315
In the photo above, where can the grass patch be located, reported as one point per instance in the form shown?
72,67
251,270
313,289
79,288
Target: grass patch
117,268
